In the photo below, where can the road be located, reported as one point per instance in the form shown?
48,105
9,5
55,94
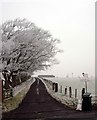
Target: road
39,105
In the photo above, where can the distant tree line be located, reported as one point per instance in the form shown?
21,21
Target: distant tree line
46,76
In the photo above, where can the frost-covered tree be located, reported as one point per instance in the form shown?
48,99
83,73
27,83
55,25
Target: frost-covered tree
26,47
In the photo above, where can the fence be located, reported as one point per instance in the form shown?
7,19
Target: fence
8,93
0,90
67,92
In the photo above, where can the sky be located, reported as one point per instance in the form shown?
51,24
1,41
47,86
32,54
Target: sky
71,21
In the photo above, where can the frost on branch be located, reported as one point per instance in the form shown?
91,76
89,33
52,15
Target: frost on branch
25,47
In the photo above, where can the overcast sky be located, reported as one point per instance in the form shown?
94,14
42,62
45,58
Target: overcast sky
71,21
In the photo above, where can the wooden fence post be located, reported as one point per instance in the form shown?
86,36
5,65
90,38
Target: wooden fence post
75,93
56,87
66,91
11,92
70,92
1,85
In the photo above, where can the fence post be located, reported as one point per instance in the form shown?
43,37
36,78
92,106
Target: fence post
66,91
2,91
70,92
75,93
11,92
56,87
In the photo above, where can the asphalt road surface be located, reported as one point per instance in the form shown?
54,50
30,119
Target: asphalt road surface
39,105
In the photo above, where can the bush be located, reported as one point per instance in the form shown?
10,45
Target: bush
24,76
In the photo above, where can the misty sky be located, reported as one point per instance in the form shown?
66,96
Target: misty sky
71,21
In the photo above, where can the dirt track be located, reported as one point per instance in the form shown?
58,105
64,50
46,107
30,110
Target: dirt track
38,104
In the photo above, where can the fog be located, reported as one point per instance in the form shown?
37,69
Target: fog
71,21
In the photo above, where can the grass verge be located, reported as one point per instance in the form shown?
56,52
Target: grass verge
13,102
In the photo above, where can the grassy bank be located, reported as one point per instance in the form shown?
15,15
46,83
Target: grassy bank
70,102
13,102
